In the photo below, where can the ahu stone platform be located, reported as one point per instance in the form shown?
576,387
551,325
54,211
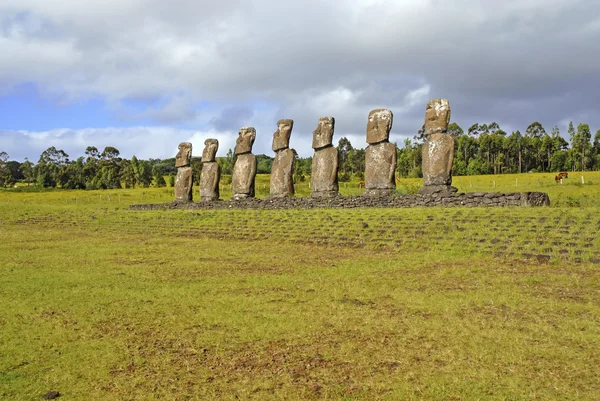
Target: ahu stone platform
471,199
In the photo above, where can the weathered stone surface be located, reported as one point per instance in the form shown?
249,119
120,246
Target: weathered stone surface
184,155
380,168
51,395
438,154
379,125
437,116
211,146
244,170
184,179
437,189
209,181
211,172
245,140
281,137
380,155
438,149
282,169
282,172
324,177
244,173
183,184
532,199
323,135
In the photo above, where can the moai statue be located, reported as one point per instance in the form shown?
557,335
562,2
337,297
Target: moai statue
184,180
438,149
244,170
211,172
282,170
380,156
324,177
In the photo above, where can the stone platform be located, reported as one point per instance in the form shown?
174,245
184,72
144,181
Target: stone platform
471,199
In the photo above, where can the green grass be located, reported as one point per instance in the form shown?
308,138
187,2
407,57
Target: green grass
571,193
99,302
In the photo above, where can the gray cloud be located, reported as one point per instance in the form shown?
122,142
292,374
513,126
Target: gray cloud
513,62
232,118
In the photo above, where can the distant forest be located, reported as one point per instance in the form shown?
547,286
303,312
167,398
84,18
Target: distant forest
482,149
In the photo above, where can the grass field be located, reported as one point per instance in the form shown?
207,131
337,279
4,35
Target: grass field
99,302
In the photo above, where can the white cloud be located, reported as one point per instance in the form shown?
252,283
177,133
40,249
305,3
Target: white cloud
418,96
143,142
304,59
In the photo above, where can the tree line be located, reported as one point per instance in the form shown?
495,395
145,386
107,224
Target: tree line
103,170
482,149
487,149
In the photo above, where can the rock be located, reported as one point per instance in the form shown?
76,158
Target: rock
438,154
211,171
379,126
438,149
545,259
183,184
535,199
281,137
209,181
324,180
244,174
322,201
282,172
323,135
437,116
184,180
380,155
324,177
184,155
437,190
282,169
245,140
380,168
211,146
51,395
244,170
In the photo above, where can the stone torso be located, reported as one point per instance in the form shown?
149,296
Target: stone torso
438,153
282,171
380,166
183,184
209,181
324,170
244,173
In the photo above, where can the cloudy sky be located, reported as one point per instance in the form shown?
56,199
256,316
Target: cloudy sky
144,75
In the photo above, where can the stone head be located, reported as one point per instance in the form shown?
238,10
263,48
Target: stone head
210,150
245,140
323,135
437,116
281,137
184,155
379,125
